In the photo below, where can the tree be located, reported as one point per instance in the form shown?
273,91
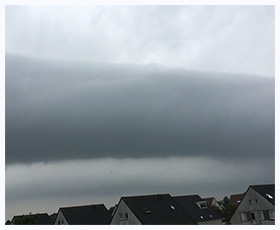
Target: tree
225,201
226,213
26,220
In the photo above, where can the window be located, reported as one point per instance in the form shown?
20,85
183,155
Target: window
271,214
254,201
121,216
59,222
253,216
243,216
261,215
172,207
126,215
202,204
62,222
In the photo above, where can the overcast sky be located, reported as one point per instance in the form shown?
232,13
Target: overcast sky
237,39
108,101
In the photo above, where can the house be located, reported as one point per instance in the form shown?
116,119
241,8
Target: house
32,219
8,222
198,209
159,209
212,202
95,214
257,206
236,199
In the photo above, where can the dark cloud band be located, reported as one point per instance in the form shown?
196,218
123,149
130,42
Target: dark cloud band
58,110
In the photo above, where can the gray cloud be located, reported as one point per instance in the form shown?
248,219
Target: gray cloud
106,180
208,38
90,118
67,110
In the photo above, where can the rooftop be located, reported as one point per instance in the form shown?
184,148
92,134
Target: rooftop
159,209
96,214
197,208
267,191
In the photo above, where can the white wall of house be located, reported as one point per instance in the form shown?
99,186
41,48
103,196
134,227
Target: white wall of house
216,204
251,210
124,216
60,219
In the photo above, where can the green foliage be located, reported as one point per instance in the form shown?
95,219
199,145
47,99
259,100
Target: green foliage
26,220
226,201
227,212
219,211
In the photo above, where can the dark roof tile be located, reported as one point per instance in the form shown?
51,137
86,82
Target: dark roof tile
160,209
197,214
87,215
235,199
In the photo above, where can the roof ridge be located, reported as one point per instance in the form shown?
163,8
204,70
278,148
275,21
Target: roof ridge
259,185
187,195
158,194
87,205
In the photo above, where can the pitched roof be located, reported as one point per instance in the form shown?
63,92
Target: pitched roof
209,200
160,209
39,218
235,199
189,203
8,222
266,190
96,214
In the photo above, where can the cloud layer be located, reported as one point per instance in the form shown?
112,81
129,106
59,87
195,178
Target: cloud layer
105,107
106,180
67,110
236,39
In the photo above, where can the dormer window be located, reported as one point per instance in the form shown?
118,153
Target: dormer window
202,204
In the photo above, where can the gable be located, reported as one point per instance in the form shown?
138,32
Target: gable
123,215
266,191
253,202
60,219
209,201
